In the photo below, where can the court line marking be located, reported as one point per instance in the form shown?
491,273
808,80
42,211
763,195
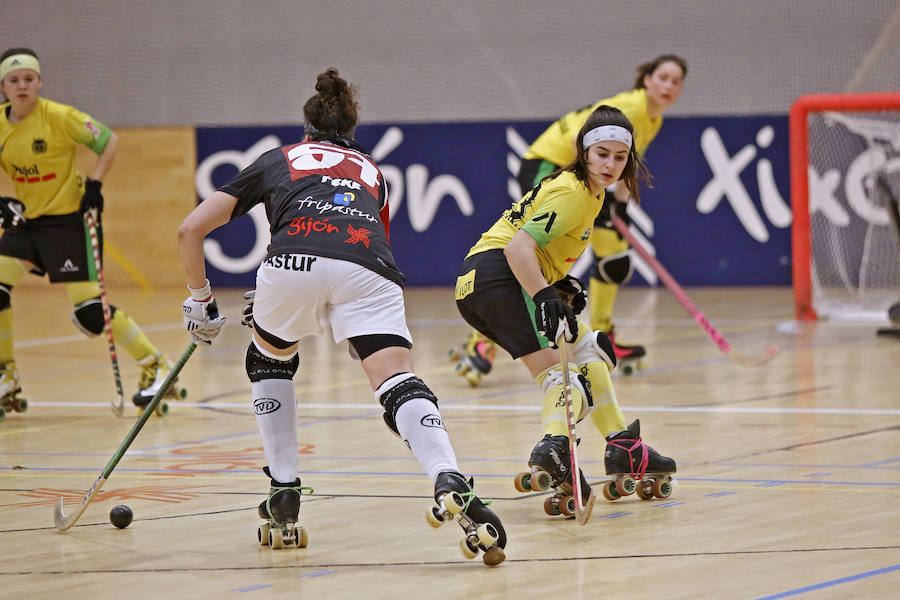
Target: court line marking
825,584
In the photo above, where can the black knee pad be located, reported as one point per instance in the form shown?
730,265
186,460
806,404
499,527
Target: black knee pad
605,348
616,268
87,316
5,291
259,366
395,397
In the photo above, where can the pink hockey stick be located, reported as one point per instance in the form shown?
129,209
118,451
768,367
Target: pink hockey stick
682,297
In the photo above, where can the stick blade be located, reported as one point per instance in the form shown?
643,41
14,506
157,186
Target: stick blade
118,406
749,361
582,514
60,520
63,522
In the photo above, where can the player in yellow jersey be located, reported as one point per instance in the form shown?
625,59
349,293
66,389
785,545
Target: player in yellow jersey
44,229
507,289
657,87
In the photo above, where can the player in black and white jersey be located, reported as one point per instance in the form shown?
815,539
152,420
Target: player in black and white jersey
329,262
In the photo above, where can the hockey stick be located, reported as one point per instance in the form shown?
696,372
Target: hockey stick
63,522
582,513
118,404
682,297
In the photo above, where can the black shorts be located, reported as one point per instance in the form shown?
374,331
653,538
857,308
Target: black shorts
58,245
498,307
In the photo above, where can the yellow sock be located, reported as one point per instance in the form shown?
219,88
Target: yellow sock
6,335
607,415
603,296
553,413
127,333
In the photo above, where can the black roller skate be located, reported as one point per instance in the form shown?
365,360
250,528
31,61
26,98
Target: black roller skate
634,466
551,466
154,370
281,510
455,499
474,358
10,389
630,357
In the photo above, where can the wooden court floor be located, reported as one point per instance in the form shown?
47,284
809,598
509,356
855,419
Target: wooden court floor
788,474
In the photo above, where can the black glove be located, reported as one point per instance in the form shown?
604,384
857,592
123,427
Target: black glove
92,201
12,212
573,292
554,317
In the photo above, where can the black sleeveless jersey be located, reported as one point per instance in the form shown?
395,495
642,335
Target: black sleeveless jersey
321,199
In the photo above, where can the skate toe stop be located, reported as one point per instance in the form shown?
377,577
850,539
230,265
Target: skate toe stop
493,556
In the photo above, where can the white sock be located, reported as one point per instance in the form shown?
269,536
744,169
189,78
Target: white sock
276,416
422,428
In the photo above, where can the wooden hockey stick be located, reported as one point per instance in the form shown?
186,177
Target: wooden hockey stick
582,513
63,522
118,403
685,301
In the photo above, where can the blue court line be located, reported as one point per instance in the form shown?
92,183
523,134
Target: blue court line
614,515
318,573
719,494
826,584
878,462
666,504
251,588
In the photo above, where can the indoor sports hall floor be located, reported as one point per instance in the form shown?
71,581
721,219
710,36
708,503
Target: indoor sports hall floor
788,474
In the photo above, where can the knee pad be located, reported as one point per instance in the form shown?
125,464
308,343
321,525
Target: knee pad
594,346
616,268
5,291
578,381
398,390
261,366
87,316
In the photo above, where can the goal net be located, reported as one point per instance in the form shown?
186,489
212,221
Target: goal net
845,185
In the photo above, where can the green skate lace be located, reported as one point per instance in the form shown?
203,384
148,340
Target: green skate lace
301,490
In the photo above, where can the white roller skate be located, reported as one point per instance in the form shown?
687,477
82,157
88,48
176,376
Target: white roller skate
281,510
154,370
10,388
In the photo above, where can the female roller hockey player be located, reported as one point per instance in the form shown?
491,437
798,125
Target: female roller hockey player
507,290
329,262
45,230
657,87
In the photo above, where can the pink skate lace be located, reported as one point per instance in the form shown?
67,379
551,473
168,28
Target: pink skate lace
645,455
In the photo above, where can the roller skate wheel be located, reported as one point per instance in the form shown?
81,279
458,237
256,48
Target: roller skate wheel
662,488
263,534
609,491
644,492
467,549
20,404
540,481
551,506
493,556
301,536
487,535
181,393
473,377
523,481
567,506
162,409
454,503
625,486
433,517
276,538
453,355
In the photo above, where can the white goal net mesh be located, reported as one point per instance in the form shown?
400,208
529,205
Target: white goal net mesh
854,186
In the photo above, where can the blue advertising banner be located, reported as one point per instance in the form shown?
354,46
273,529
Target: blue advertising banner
717,215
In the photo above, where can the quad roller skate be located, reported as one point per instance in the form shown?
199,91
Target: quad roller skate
630,357
281,510
154,369
635,467
10,389
456,501
551,467
474,358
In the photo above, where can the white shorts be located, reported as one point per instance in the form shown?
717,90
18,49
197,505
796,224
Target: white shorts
306,293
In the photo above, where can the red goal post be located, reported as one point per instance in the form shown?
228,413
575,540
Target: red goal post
799,161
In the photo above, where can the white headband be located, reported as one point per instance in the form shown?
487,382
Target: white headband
606,133
19,61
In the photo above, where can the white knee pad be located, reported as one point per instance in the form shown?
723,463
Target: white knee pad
577,381
594,346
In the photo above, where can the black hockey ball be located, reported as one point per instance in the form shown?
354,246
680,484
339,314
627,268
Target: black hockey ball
121,516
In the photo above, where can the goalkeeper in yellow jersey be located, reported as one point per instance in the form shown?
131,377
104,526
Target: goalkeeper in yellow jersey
45,231
657,87
514,289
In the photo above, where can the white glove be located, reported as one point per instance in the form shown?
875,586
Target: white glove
201,315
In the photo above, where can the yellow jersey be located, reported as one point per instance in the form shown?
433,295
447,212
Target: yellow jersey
559,216
557,143
38,153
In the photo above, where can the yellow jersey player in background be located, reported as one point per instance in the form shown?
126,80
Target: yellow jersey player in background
513,288
44,228
657,86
